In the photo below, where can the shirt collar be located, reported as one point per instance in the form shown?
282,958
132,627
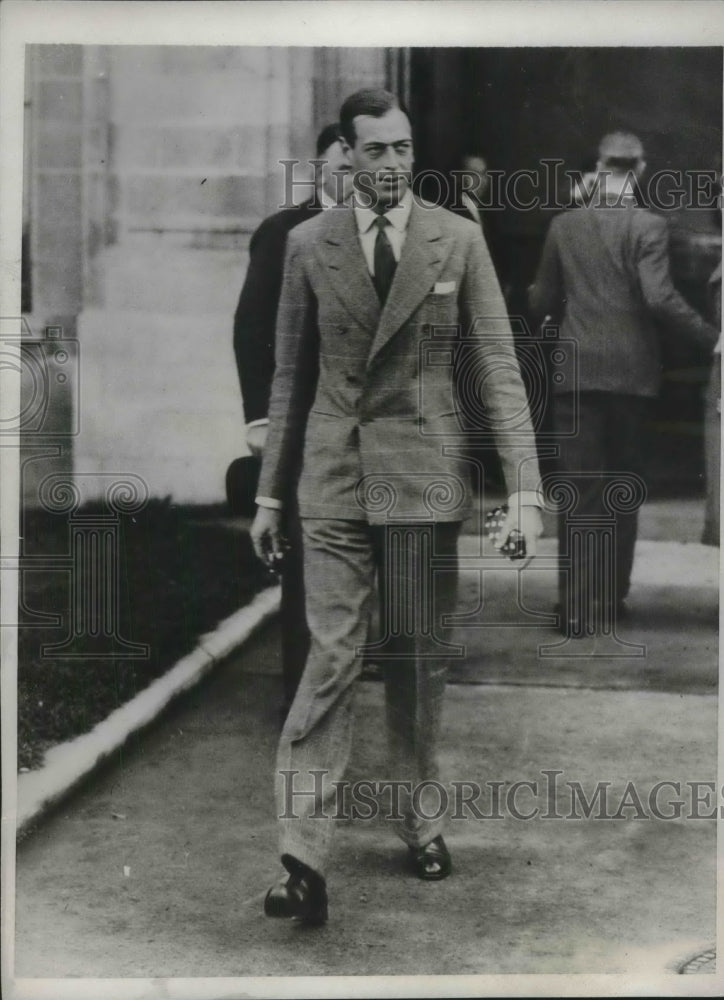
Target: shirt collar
609,188
398,216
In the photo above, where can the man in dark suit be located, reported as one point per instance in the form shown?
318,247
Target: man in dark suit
473,198
254,324
369,413
604,272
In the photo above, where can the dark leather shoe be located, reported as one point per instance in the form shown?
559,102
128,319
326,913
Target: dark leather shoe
431,862
302,896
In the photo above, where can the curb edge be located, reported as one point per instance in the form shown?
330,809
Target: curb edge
67,764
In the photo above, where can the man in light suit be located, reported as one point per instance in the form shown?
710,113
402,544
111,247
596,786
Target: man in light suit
370,415
604,273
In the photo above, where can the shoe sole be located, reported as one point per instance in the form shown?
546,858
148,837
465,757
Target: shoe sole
434,878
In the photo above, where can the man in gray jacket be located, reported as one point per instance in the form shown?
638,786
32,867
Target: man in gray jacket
604,274
379,299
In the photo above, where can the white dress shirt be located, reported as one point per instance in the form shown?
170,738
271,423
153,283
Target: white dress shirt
398,217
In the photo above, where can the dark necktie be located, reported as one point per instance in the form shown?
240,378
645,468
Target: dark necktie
384,260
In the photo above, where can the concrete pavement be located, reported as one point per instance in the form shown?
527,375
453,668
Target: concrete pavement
158,868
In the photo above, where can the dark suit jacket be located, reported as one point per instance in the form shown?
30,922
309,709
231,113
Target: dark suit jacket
256,313
605,273
364,394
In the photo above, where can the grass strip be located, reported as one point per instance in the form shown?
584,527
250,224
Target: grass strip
178,572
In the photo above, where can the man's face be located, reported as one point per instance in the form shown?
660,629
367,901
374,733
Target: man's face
382,156
477,165
336,171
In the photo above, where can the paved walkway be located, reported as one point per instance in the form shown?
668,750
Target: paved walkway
160,865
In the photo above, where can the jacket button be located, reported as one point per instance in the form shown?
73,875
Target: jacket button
352,380
342,329
426,328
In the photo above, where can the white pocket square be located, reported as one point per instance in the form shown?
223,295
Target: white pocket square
444,287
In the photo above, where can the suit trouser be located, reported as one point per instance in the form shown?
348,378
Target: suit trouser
609,440
293,618
342,559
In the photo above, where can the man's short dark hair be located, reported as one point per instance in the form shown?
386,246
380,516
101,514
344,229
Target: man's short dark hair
327,137
620,152
373,101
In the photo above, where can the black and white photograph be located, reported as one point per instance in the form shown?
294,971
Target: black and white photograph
360,505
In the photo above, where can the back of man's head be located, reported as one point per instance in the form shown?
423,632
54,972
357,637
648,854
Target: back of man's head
620,153
374,102
473,155
327,137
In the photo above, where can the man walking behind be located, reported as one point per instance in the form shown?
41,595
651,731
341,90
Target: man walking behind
605,271
254,325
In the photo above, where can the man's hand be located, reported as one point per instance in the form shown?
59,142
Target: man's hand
256,438
527,521
266,536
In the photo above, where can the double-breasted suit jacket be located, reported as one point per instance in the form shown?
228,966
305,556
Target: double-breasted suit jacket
362,405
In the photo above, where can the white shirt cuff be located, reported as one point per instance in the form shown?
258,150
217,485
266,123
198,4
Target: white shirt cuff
526,498
261,422
269,502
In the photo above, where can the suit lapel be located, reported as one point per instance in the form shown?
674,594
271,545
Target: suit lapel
424,252
341,255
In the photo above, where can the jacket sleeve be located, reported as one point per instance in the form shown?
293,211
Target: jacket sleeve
295,378
545,295
255,318
657,288
493,385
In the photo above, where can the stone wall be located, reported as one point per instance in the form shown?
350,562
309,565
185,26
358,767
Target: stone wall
53,221
149,168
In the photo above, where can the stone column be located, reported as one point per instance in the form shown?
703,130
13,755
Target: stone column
338,72
52,260
194,138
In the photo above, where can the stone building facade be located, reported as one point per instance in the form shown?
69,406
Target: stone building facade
146,171
148,168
